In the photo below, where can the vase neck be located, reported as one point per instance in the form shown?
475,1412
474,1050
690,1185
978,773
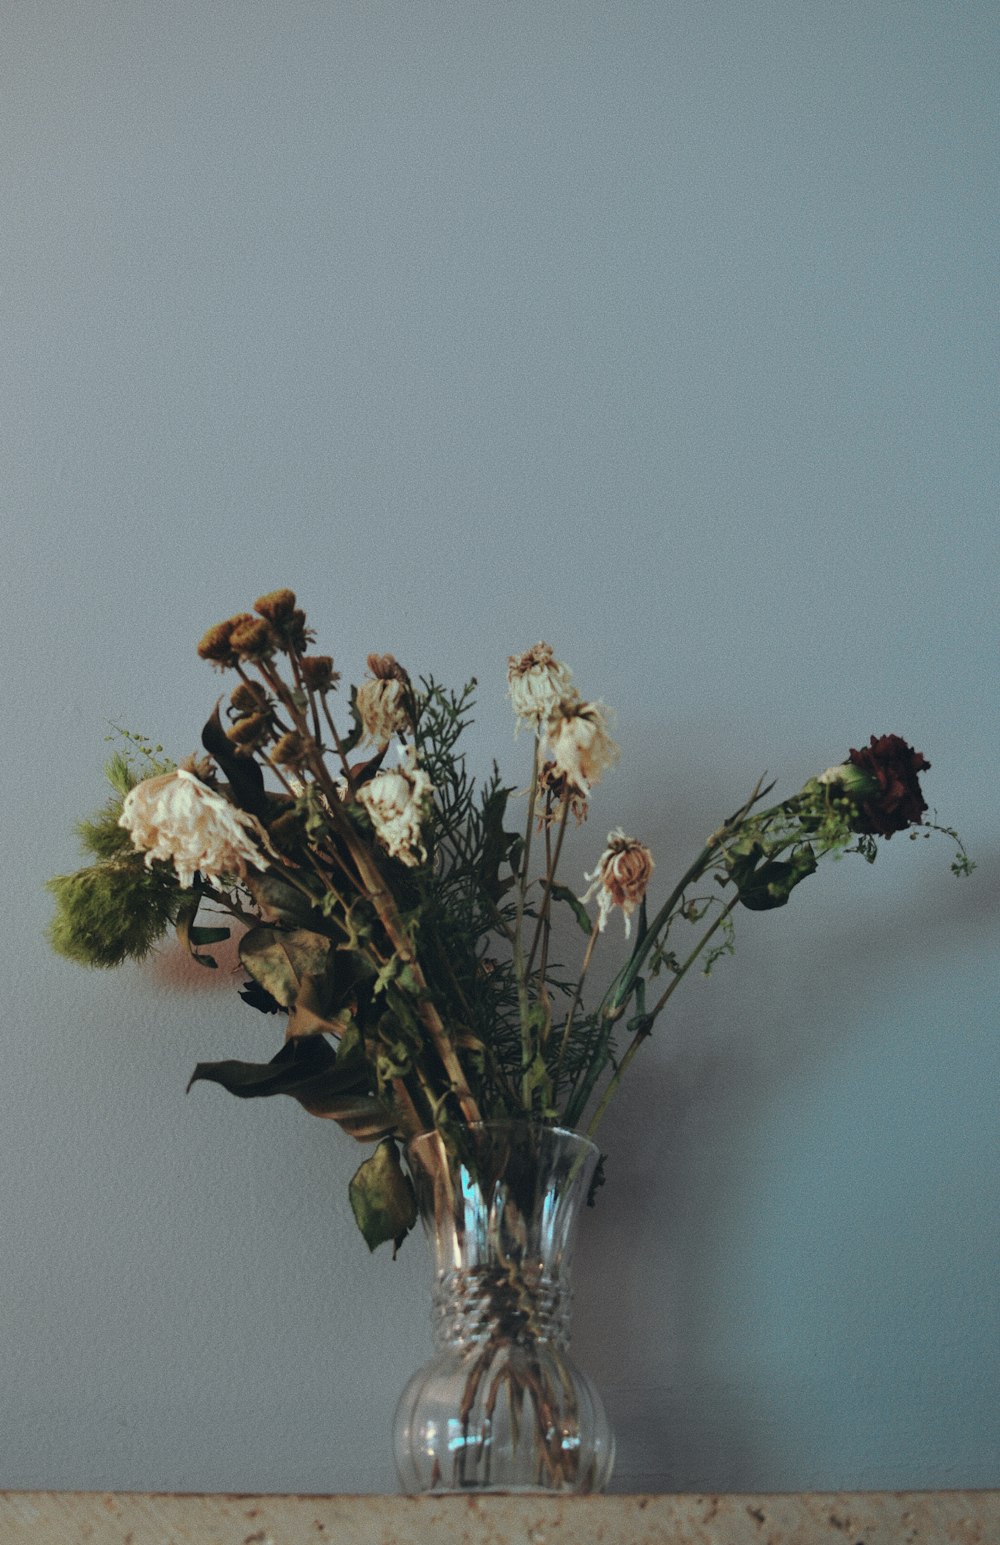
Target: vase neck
483,1303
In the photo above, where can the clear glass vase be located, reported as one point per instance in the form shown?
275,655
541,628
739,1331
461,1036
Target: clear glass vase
501,1407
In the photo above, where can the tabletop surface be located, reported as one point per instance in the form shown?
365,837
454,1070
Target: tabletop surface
847,1518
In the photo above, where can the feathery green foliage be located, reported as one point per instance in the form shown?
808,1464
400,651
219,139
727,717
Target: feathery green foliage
112,912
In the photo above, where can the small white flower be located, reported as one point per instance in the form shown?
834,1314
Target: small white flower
181,821
578,738
621,877
382,709
536,681
383,701
396,801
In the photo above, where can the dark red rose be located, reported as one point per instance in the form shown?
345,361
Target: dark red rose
895,801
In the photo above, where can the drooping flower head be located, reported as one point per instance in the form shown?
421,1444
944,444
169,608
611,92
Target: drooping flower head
396,800
621,878
383,702
882,780
582,749
555,790
178,819
536,681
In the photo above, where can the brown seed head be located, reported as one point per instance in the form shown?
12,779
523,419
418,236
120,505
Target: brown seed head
248,697
276,606
287,830
290,750
252,638
292,633
216,645
250,731
318,672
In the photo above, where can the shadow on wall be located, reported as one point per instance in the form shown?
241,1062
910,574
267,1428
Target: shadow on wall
671,1187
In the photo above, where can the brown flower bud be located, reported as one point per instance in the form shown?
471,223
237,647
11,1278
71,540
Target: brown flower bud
294,633
248,697
216,646
318,672
288,622
250,731
276,606
290,750
252,638
287,830
385,667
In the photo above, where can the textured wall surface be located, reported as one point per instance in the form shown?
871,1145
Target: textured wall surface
664,332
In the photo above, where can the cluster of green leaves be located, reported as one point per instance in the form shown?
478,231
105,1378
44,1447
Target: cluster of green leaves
462,906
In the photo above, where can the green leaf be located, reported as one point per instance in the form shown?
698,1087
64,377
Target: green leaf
310,1013
191,937
576,906
309,1071
246,779
279,959
536,1078
497,845
280,902
763,886
382,1198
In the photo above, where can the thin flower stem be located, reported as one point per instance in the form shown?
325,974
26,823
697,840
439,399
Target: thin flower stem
307,691
411,1123
642,1033
618,993
248,680
338,743
574,1005
527,1050
543,925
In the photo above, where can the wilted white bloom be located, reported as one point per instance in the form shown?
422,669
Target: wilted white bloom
536,681
382,702
396,801
621,877
555,790
178,819
578,737
383,710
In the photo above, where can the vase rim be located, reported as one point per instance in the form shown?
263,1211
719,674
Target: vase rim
503,1123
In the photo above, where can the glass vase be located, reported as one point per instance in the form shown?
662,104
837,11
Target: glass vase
501,1407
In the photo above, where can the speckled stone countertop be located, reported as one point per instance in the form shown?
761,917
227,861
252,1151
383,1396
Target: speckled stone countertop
847,1518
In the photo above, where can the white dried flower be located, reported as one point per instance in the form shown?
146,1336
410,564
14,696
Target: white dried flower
536,681
179,820
396,801
578,738
621,877
382,707
383,702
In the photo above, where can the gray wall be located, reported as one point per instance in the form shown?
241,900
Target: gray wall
664,332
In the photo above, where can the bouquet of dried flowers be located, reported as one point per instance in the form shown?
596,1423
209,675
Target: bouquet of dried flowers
389,912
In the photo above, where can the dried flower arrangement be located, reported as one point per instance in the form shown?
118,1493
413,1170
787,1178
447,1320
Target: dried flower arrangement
387,910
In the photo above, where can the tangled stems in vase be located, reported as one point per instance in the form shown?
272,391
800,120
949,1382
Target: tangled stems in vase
390,907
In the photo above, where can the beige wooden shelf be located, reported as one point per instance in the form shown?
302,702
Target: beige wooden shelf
847,1518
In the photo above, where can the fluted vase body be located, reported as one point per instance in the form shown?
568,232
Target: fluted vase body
501,1406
